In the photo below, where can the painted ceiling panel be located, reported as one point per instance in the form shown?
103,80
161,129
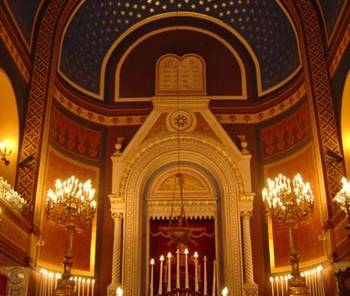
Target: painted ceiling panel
331,10
98,23
24,13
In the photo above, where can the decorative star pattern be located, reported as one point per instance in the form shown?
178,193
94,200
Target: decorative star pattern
98,23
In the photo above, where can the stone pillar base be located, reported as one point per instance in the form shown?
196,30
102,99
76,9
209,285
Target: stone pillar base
65,288
250,289
111,289
297,287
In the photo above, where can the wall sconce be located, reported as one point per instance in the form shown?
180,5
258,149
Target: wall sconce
5,151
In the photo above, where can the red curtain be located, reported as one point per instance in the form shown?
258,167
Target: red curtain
3,283
203,242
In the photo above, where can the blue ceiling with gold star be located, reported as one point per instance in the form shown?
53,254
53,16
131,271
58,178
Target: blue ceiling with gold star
96,24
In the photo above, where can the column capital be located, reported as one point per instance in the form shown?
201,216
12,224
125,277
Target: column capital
246,205
117,215
247,196
117,204
247,213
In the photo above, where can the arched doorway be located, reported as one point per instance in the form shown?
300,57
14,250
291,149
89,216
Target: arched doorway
213,157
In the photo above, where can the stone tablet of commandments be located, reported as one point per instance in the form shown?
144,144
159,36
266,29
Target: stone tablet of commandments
183,75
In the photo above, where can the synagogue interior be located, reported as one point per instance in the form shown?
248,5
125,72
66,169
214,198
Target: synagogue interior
174,147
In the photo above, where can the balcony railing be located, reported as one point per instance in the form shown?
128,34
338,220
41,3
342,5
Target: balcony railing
10,196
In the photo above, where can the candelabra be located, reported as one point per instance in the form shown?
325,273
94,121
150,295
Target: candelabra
290,202
70,203
187,278
342,199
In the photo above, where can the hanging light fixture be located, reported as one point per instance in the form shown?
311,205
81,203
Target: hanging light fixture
178,230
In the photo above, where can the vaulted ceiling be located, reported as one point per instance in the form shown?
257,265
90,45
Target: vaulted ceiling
96,28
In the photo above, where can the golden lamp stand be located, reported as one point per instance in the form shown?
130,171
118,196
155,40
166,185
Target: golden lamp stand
289,202
71,202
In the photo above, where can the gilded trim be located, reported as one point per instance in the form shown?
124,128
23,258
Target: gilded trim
247,118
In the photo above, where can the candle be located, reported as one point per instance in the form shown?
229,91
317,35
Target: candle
160,289
272,288
93,287
41,284
79,282
178,269
205,284
119,292
277,285
50,283
151,280
196,288
83,287
44,282
282,284
224,291
214,279
186,269
169,273
88,287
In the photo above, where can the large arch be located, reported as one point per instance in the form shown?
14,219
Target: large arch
9,122
345,123
231,186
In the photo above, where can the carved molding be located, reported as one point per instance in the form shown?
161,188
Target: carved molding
12,233
38,95
194,208
195,150
235,118
322,96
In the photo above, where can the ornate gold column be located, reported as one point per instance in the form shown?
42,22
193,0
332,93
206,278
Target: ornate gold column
250,288
117,212
117,248
117,216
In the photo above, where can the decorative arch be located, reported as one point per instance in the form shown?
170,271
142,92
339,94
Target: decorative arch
232,185
9,122
345,123
197,182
